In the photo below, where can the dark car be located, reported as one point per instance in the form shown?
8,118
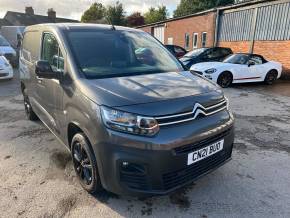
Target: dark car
205,55
176,50
134,121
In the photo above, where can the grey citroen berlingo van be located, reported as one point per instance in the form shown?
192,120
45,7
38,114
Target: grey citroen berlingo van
134,121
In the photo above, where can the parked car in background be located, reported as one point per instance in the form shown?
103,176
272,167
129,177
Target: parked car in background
13,34
176,50
240,68
6,70
7,51
134,121
205,55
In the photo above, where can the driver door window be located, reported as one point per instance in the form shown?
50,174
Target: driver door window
256,60
52,53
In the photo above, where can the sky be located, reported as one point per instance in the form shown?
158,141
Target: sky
74,8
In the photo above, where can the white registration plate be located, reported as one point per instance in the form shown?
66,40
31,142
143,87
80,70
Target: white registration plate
205,152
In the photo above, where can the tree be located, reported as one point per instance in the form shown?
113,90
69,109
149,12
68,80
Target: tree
115,14
135,19
155,14
95,14
187,7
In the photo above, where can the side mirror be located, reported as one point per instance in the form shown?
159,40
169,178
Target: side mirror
44,70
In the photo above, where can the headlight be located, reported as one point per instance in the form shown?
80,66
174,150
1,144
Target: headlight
210,71
130,123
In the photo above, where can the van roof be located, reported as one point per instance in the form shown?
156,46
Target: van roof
79,26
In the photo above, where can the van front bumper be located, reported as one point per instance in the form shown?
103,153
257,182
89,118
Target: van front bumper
127,170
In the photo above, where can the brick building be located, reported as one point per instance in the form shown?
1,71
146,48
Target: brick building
259,26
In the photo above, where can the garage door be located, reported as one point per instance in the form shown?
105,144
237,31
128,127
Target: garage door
159,33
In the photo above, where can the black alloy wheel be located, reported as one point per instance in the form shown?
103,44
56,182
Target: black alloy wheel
85,164
271,77
225,79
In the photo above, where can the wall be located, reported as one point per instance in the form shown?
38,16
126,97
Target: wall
240,46
276,51
147,29
198,24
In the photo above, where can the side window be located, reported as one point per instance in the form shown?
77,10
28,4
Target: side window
203,39
216,53
208,54
256,59
29,48
225,52
186,41
51,52
195,40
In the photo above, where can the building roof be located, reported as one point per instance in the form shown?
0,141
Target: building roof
4,22
23,19
233,6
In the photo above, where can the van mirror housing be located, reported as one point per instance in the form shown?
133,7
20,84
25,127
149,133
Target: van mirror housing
44,70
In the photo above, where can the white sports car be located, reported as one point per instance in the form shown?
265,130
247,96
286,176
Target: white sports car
6,70
239,68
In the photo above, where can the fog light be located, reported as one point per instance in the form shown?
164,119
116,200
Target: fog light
124,164
127,167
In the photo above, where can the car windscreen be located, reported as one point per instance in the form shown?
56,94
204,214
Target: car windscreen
237,59
114,53
3,41
195,52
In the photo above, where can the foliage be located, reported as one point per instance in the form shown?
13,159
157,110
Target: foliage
94,14
135,19
115,14
187,7
155,14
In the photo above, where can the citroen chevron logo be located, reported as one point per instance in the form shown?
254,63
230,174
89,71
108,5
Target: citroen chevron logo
198,109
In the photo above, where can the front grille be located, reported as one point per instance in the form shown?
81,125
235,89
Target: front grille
189,173
197,112
192,147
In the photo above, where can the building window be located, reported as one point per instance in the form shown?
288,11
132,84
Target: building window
203,39
186,41
195,40
170,41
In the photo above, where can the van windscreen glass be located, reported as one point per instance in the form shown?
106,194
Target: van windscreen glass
3,41
110,53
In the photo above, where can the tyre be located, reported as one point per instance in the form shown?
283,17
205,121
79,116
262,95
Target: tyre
28,109
271,77
225,79
85,164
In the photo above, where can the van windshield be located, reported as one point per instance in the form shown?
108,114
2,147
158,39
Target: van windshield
112,53
3,41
